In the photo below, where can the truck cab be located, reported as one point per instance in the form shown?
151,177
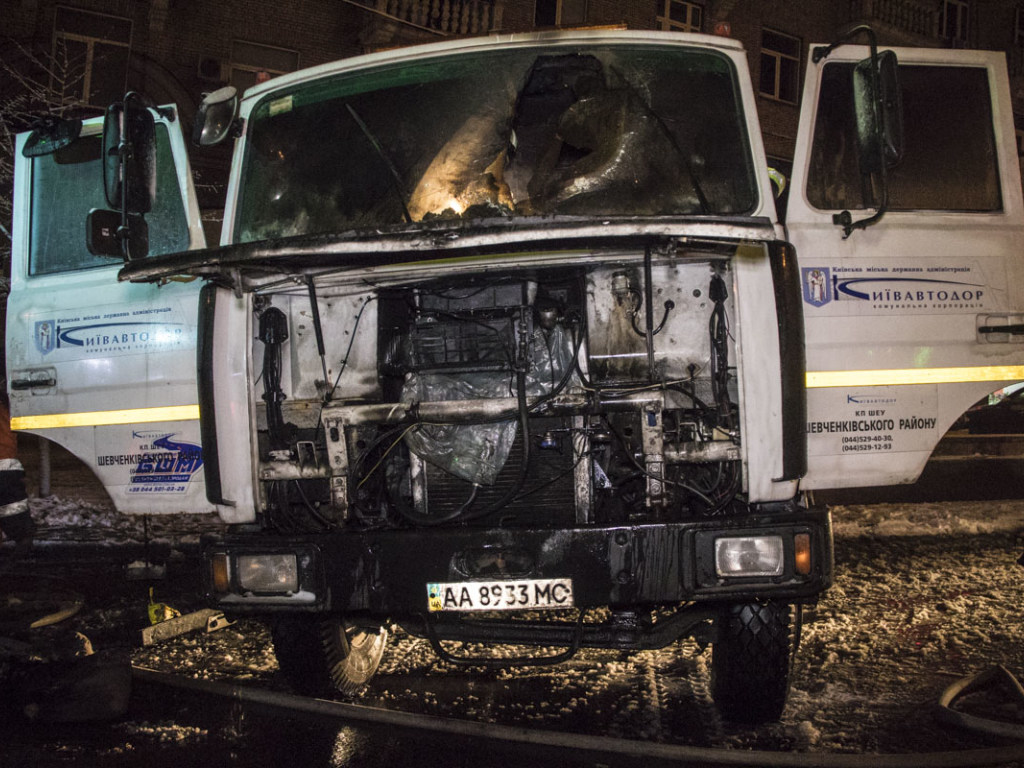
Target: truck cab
505,342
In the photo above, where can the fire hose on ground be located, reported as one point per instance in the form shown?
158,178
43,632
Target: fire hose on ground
602,749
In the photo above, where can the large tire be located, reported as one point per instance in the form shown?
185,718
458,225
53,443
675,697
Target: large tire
750,662
325,656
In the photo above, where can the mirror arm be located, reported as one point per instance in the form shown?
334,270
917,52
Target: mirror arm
822,51
845,219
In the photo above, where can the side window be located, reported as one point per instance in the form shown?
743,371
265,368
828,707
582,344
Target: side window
69,183
949,160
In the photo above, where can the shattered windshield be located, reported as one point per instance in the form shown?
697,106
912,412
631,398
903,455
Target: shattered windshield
609,131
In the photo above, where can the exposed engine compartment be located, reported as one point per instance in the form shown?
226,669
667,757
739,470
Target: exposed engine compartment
555,397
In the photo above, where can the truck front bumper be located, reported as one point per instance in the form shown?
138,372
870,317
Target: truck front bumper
389,573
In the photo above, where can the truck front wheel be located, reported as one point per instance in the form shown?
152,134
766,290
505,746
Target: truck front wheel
325,655
750,662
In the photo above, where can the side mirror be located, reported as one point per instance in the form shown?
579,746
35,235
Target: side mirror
50,134
878,105
215,118
129,181
129,155
105,235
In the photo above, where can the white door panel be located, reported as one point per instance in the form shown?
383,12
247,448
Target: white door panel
106,369
893,311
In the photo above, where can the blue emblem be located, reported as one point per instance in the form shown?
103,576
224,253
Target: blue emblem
45,335
816,281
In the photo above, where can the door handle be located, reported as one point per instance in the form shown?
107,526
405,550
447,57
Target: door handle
1013,330
996,329
47,377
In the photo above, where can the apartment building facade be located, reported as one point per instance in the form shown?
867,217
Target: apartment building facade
88,52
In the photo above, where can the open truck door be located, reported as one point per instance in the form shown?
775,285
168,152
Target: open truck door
106,369
906,218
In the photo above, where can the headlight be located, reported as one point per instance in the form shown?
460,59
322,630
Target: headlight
268,573
743,556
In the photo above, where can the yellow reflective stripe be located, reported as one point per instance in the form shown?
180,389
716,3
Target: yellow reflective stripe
897,376
106,418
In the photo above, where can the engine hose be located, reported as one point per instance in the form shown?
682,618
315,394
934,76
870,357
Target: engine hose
718,326
273,332
581,747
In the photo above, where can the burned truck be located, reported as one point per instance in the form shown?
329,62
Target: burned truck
505,342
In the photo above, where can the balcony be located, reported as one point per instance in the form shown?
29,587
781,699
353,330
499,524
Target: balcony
899,21
447,17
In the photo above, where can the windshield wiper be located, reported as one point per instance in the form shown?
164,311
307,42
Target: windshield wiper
396,180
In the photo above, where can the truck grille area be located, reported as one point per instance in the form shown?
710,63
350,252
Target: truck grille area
541,399
545,497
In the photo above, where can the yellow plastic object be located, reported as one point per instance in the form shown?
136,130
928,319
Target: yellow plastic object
160,611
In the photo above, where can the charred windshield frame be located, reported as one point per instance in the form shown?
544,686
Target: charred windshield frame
507,134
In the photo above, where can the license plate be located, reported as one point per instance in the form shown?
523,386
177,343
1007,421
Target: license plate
520,595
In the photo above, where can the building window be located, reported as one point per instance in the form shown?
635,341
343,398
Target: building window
780,66
954,20
560,13
679,16
251,63
90,57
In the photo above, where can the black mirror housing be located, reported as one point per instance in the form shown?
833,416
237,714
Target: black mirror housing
878,105
105,236
215,117
129,155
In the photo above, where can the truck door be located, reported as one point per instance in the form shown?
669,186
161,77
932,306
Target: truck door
106,369
913,318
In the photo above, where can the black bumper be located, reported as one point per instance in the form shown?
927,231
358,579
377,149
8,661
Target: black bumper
385,573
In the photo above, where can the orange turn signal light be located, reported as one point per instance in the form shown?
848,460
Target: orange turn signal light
221,572
802,553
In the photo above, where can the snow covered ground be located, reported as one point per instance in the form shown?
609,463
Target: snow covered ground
925,594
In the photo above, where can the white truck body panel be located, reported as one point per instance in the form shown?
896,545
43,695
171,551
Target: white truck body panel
103,368
894,354
758,363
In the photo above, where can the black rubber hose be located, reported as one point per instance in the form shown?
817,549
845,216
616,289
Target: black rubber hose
579,747
998,675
